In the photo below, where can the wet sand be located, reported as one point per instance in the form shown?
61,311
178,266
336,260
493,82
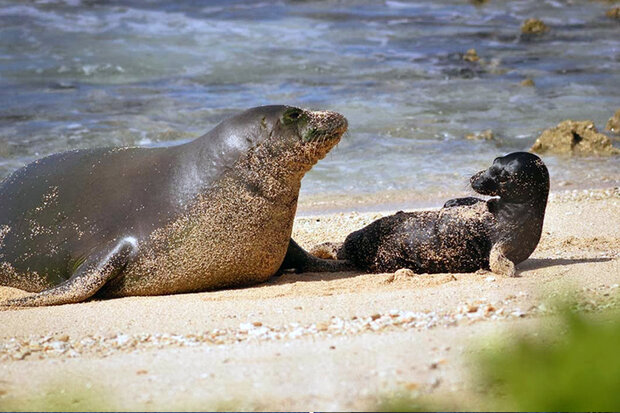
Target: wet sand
308,341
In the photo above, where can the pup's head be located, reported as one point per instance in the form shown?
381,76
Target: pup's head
517,177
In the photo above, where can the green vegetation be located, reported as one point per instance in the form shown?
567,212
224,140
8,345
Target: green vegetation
404,402
573,367
576,367
77,396
69,397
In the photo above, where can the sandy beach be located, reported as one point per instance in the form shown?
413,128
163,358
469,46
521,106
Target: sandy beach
432,92
336,341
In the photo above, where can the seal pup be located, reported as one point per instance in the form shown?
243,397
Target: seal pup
212,213
465,235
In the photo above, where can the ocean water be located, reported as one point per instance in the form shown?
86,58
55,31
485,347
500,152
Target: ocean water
86,73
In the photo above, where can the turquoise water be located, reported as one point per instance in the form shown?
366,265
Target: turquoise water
78,74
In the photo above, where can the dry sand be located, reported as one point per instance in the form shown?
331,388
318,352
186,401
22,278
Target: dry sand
307,341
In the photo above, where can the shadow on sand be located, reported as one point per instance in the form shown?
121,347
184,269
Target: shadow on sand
291,277
528,265
538,263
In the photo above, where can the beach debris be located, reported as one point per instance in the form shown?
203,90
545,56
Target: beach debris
586,194
613,124
42,347
411,386
469,312
613,13
322,326
435,364
476,65
404,273
574,138
485,135
494,66
471,56
534,26
528,82
401,274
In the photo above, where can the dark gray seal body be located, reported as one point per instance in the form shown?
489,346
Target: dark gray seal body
467,234
212,213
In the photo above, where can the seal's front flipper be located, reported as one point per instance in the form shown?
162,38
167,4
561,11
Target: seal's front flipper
87,279
499,263
297,258
470,200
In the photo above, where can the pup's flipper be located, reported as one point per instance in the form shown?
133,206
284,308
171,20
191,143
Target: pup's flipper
499,263
462,202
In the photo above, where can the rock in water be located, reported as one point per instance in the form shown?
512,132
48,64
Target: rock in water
485,135
613,124
613,13
534,26
574,138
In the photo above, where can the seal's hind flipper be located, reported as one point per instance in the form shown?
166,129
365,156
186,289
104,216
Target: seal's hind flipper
299,259
87,279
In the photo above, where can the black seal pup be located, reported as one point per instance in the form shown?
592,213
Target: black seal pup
467,234
212,213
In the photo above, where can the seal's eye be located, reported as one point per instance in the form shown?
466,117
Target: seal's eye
503,176
291,115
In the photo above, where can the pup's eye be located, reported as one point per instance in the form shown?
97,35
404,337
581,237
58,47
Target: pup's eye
503,177
291,115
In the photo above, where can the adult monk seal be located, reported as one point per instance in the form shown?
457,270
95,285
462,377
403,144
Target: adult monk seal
212,213
467,234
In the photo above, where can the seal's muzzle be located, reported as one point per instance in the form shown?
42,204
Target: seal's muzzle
322,126
484,184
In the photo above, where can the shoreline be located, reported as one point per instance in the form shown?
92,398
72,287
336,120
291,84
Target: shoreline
395,200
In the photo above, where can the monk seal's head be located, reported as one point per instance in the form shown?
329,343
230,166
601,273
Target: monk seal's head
294,138
517,177
268,148
307,135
